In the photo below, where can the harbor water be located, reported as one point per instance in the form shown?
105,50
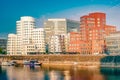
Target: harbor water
48,73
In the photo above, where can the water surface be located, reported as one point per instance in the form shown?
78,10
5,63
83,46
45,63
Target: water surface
42,73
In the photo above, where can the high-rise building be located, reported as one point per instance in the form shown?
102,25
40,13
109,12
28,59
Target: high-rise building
28,39
59,26
54,28
24,32
93,30
92,26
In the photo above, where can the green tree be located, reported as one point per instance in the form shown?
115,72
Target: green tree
2,51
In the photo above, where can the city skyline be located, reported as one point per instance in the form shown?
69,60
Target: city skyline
61,35
42,10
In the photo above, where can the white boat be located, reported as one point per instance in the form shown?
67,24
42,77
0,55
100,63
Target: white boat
26,62
32,63
7,63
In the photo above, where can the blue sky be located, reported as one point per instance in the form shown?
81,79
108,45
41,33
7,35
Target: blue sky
12,10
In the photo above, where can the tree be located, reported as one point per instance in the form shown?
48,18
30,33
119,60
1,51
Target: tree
2,51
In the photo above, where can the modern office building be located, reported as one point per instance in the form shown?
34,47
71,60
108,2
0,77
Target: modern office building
113,43
36,44
58,43
28,38
38,38
54,28
54,45
76,45
59,26
93,26
24,33
93,30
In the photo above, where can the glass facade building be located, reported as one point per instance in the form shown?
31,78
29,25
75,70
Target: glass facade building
59,26
113,43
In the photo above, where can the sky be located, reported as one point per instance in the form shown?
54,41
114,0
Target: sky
12,10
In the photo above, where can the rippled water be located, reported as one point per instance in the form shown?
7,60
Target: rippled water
42,73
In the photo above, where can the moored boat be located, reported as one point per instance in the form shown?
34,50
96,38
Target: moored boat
32,63
7,63
26,62
35,62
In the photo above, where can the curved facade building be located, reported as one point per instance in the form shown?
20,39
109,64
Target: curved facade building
90,39
28,40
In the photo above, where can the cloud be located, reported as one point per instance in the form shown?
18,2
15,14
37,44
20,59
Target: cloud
75,13
113,17
112,13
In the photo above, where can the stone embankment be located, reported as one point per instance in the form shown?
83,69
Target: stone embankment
59,60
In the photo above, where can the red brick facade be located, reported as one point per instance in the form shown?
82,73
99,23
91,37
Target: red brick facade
90,39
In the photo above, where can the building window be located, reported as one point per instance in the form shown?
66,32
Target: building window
98,19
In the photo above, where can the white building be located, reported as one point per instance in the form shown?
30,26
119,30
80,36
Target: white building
38,39
24,33
59,26
56,27
54,45
58,43
12,44
29,39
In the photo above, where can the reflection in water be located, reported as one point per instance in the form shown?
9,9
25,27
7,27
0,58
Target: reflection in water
67,75
0,70
15,73
38,73
55,75
3,75
111,73
86,74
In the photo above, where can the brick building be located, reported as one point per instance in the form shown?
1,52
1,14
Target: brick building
90,39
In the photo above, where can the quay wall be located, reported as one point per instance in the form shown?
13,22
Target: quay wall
58,60
55,57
